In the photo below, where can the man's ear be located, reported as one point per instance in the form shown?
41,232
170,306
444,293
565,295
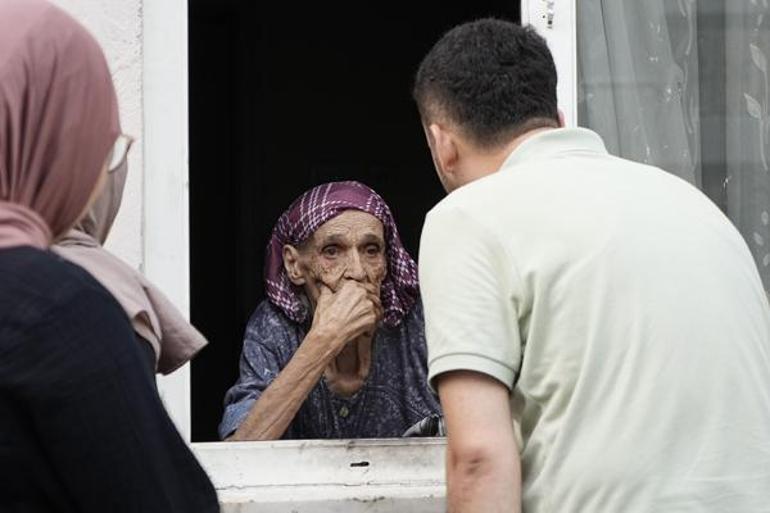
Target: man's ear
291,263
445,150
561,118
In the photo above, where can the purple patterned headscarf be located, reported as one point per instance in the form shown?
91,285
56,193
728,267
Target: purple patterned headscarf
400,289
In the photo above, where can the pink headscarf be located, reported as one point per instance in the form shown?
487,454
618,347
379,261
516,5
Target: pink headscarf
400,289
153,316
58,121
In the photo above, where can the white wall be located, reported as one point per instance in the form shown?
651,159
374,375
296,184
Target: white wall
145,42
117,25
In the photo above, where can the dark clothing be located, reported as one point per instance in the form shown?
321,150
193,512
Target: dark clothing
149,355
394,397
82,428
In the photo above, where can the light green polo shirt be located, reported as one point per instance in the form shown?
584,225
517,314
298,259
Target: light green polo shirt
627,316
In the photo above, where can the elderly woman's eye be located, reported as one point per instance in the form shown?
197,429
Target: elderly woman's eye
330,251
373,250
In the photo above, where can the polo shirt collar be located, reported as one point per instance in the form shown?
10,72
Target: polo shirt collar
549,143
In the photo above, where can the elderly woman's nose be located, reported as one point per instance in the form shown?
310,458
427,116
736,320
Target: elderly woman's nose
355,268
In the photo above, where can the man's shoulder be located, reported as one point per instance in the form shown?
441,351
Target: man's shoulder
459,202
469,211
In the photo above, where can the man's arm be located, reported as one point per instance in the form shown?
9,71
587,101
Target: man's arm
483,465
472,294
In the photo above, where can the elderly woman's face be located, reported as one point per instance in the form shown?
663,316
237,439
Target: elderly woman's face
349,246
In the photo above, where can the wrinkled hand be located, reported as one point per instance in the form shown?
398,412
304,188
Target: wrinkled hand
353,310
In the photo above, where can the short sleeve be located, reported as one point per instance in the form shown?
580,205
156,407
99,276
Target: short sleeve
267,347
468,285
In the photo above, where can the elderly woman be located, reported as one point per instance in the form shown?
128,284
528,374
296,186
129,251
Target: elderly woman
338,349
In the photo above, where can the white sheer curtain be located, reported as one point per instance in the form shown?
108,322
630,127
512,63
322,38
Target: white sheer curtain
683,84
748,125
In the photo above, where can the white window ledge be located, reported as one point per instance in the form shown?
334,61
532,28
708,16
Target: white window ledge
324,476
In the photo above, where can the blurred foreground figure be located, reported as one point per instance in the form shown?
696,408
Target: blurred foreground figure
82,428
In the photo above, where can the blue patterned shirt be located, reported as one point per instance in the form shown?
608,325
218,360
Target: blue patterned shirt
394,396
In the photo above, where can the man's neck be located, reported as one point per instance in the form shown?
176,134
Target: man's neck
493,161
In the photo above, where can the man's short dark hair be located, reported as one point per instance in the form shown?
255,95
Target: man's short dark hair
492,78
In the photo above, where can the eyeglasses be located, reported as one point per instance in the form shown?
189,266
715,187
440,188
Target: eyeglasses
119,152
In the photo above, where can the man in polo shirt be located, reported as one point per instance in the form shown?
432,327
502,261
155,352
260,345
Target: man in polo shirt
605,306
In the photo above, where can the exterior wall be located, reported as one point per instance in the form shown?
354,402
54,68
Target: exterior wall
117,25
156,248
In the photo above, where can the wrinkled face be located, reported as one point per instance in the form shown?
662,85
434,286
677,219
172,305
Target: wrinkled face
350,246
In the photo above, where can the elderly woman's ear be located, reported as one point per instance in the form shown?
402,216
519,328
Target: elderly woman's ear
291,262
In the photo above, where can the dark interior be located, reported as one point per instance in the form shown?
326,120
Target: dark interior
282,98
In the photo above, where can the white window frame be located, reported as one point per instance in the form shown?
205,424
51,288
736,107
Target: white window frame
556,21
326,476
165,221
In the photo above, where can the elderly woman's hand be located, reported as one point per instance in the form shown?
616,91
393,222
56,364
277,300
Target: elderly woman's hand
341,316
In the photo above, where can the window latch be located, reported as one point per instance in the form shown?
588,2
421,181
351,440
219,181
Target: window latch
550,12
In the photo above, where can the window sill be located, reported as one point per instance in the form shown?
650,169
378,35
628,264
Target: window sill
323,476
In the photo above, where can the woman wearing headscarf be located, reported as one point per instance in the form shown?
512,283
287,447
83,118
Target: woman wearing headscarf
338,348
82,428
164,335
